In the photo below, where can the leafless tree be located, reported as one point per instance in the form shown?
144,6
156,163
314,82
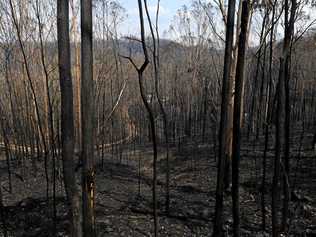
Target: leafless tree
67,121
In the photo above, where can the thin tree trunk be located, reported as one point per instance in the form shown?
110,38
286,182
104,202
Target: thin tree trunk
267,120
156,62
50,125
289,31
28,73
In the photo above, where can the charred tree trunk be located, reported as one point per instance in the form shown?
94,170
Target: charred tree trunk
67,121
267,122
289,31
87,116
156,62
237,115
223,130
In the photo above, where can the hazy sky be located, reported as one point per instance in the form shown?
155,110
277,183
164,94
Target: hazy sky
168,9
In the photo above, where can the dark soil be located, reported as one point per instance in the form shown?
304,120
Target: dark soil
123,208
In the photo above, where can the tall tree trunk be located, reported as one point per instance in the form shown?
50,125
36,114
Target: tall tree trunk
67,117
289,31
87,116
156,61
140,72
278,148
218,220
230,106
237,114
267,120
150,116
281,126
